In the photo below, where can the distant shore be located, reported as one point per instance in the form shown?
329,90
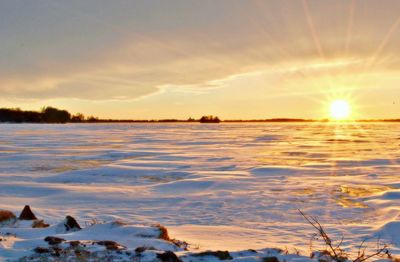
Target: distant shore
272,120
51,115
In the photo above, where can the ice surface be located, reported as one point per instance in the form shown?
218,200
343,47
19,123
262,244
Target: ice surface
236,186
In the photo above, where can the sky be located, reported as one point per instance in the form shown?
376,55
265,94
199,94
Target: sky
159,59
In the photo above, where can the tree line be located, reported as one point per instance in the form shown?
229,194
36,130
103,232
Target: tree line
46,115
57,116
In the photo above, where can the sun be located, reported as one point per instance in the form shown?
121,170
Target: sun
340,110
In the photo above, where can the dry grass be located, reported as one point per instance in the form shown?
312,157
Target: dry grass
39,224
119,222
165,236
163,232
94,221
334,250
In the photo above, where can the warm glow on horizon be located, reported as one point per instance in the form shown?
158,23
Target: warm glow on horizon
340,110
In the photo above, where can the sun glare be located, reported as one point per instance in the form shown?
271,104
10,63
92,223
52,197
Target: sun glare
340,110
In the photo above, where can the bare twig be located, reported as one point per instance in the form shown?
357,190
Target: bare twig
361,253
336,252
315,223
379,251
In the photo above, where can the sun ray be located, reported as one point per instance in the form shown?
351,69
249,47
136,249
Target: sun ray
383,44
312,28
349,27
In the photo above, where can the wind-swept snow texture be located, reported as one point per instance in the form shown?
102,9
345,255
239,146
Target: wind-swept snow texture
216,186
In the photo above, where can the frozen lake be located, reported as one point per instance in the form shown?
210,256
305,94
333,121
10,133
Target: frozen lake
230,186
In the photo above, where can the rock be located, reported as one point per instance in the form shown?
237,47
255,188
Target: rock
27,214
74,244
41,250
84,255
7,217
56,251
110,245
222,255
54,240
71,224
168,256
39,224
142,249
270,259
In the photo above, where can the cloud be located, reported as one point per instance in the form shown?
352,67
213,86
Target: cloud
125,51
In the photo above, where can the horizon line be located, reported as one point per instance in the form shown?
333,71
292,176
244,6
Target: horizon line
191,120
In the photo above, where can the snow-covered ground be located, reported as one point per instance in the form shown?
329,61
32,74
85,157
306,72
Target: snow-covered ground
220,187
113,241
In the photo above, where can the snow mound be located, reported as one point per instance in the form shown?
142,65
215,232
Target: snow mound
390,231
67,240
111,241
